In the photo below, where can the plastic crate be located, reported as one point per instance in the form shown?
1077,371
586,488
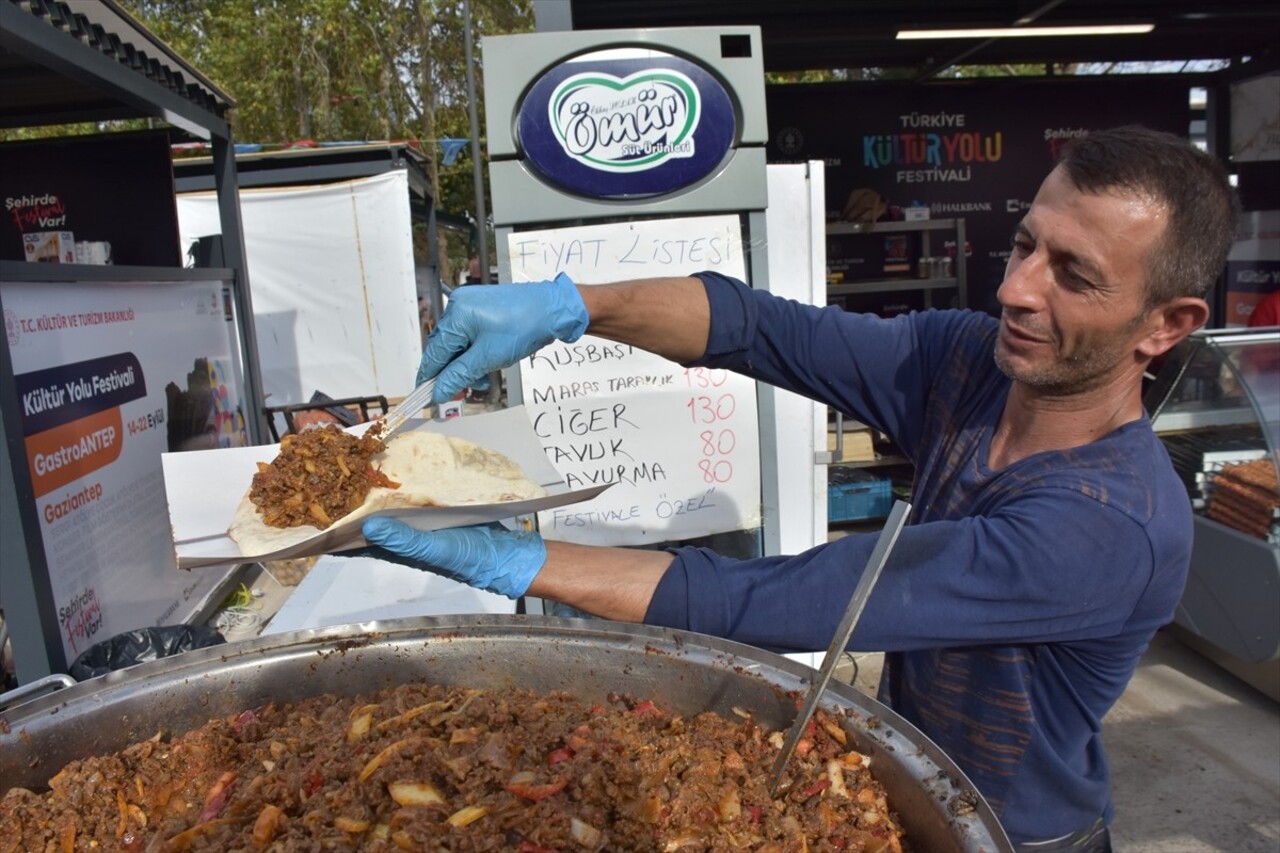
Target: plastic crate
854,494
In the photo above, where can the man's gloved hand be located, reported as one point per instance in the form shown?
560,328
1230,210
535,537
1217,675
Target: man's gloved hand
488,327
488,557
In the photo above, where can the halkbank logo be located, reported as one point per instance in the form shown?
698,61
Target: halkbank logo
628,124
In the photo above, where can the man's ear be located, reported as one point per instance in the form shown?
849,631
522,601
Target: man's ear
1169,323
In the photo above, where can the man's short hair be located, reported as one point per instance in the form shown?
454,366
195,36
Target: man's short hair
1193,184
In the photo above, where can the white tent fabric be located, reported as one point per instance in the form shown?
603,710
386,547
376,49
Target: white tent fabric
332,278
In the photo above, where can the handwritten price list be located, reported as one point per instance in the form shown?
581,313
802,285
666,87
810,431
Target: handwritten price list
680,446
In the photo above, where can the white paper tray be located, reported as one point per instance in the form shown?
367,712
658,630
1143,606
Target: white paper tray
204,488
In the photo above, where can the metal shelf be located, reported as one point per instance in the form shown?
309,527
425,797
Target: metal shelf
26,271
1180,420
888,285
892,227
878,462
925,227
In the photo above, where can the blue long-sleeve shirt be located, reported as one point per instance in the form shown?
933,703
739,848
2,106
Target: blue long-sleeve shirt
1016,605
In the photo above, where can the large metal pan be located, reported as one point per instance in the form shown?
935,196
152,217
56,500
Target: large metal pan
683,671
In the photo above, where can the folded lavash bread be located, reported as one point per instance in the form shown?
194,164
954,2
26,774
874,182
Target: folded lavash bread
432,470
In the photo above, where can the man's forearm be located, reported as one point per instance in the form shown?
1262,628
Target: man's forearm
672,318
667,316
613,583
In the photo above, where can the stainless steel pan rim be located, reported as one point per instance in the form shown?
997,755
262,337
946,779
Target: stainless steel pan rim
683,671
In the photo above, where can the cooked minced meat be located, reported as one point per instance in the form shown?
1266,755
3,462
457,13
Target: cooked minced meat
319,476
429,767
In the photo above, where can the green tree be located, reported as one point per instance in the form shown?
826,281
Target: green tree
345,70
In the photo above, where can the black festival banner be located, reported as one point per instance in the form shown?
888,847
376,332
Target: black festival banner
973,149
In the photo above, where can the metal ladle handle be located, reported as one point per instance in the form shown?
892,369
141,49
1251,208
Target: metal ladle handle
875,564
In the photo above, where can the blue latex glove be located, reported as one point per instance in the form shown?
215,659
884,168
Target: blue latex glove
487,327
488,557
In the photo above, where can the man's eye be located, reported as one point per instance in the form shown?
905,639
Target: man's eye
1022,246
1076,280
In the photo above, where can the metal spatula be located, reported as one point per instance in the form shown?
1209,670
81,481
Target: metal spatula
875,563
410,407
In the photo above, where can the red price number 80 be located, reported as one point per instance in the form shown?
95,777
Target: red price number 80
714,444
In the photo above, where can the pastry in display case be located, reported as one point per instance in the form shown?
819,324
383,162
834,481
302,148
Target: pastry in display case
1215,403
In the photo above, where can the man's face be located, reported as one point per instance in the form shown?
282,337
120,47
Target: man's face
1074,287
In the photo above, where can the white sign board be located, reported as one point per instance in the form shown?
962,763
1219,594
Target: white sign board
335,299
680,446
110,376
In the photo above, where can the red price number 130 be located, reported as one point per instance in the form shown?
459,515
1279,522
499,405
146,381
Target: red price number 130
705,377
708,410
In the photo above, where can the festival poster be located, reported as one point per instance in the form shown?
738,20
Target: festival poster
108,377
112,191
970,149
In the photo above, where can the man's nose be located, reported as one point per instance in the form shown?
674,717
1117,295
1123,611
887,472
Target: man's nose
1024,283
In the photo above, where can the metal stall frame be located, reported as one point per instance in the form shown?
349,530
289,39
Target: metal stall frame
66,63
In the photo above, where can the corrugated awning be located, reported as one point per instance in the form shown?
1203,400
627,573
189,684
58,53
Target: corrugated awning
64,62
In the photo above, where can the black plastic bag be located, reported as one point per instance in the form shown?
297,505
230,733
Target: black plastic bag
144,644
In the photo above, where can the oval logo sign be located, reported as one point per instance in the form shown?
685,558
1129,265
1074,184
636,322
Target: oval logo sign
626,128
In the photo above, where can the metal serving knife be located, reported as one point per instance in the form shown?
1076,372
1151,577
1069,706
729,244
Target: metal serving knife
410,407
875,563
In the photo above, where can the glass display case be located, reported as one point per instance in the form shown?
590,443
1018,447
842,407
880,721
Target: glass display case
1215,403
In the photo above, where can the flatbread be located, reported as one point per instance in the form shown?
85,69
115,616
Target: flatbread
432,470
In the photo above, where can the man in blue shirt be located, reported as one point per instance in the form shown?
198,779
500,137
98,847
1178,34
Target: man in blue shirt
1051,536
